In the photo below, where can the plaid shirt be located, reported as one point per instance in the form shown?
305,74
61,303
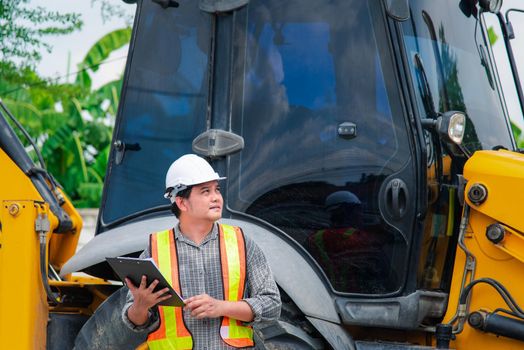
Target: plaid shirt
200,272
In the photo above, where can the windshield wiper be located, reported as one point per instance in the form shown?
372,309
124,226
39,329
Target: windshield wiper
508,34
425,90
436,52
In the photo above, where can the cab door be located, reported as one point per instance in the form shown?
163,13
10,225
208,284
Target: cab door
328,158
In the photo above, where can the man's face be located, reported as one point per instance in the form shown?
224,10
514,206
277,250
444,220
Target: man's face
204,203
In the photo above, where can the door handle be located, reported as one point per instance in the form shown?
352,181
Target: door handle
121,147
397,197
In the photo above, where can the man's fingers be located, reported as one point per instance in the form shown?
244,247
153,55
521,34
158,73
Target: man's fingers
200,312
143,282
164,297
196,312
130,284
194,304
161,292
152,285
196,297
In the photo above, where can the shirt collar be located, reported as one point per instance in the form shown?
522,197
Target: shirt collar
211,235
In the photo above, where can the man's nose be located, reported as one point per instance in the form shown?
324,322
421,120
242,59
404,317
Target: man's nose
215,197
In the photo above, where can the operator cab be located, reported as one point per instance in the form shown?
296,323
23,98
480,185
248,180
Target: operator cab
329,99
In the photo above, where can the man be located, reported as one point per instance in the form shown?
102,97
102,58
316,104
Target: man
353,257
223,275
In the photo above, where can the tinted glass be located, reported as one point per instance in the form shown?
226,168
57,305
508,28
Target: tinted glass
164,105
306,68
456,64
450,70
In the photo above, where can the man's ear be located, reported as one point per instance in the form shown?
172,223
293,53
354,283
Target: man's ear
181,203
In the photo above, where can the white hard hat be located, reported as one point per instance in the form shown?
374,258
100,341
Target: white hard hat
188,170
339,198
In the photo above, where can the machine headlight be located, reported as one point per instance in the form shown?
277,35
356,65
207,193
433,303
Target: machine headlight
450,126
456,128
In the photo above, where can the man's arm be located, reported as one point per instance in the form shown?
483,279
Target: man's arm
263,303
134,321
144,298
262,292
204,306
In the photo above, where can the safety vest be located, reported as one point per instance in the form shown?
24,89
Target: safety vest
172,333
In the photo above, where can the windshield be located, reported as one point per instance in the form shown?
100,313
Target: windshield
307,68
163,105
456,66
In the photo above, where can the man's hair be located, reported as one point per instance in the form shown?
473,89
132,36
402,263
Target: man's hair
184,194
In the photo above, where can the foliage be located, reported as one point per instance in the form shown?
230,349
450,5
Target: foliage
23,30
110,9
72,123
492,36
519,135
99,52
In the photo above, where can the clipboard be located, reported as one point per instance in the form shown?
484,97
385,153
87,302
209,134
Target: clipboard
135,268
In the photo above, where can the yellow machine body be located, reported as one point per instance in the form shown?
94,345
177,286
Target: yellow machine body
23,302
24,309
501,173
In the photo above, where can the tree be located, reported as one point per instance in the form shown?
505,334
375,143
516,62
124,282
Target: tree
24,29
519,135
71,124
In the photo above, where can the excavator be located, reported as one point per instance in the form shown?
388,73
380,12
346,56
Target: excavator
368,151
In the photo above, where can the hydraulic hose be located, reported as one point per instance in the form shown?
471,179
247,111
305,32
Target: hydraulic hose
52,296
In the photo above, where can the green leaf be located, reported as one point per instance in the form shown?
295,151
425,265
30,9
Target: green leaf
27,115
101,51
100,164
493,37
75,149
516,130
83,79
90,194
59,139
519,135
80,156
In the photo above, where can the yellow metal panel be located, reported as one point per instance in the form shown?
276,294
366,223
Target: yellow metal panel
15,185
63,246
502,173
513,244
23,304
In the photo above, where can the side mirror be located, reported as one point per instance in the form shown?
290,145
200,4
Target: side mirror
217,143
450,126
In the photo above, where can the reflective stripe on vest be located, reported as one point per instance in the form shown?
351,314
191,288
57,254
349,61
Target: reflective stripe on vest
233,262
172,332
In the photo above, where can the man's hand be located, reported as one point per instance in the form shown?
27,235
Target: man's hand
144,298
204,306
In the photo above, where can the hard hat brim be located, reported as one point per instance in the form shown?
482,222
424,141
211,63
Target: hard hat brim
171,192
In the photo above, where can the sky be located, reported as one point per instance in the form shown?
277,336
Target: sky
76,45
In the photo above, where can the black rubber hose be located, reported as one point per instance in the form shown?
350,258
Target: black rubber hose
53,297
504,293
